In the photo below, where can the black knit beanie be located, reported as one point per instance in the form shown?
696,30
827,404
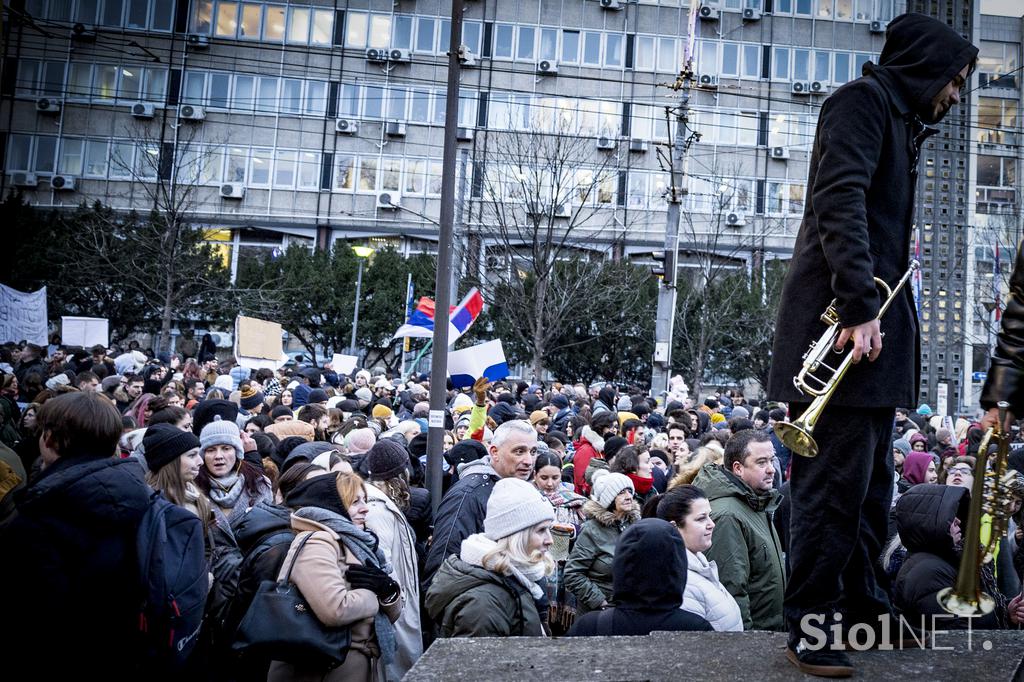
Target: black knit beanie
386,459
319,491
164,443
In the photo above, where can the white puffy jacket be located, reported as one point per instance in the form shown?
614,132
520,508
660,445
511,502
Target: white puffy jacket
707,597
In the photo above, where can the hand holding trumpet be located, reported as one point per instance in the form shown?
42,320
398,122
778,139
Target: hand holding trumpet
867,339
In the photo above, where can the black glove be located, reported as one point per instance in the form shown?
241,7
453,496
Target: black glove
373,579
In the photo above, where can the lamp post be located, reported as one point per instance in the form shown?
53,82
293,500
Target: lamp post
362,253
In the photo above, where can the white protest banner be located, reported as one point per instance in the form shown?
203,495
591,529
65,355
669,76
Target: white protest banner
23,316
483,360
344,364
85,331
258,343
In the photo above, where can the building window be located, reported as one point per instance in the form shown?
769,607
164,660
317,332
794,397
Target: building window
997,65
298,25
402,36
309,170
503,35
274,23
226,25
570,47
997,120
259,167
472,37
780,63
592,48
252,21
643,53
367,175
527,43
284,169
356,24
425,34
344,172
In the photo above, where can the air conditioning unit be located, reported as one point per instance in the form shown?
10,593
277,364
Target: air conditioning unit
780,153
638,145
707,81
346,126
800,88
232,191
397,55
83,33
197,41
191,112
735,220
547,66
708,13
24,179
464,134
563,210
143,110
395,128
878,26
378,55
751,15
64,183
818,88
605,142
389,201
611,4
48,105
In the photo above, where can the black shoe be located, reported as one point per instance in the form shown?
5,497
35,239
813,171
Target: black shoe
822,663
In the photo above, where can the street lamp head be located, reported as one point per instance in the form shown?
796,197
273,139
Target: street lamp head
363,251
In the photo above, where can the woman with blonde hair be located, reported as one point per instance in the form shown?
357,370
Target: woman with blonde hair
490,589
712,453
174,460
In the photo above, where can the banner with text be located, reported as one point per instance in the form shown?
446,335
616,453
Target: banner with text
23,316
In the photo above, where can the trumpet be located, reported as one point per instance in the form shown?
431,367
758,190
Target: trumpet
991,494
820,379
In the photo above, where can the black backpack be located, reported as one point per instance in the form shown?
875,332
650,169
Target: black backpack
175,581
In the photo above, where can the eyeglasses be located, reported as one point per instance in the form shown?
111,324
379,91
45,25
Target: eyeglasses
960,470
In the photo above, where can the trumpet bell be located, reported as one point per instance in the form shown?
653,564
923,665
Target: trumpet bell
797,438
959,606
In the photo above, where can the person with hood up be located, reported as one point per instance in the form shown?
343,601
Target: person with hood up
648,594
490,588
857,226
463,508
932,520
606,400
918,467
588,570
343,575
505,409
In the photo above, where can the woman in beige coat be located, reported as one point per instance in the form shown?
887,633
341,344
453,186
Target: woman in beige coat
343,576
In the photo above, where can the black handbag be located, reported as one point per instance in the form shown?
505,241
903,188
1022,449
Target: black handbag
280,626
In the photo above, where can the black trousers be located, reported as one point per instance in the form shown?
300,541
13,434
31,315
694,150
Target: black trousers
840,504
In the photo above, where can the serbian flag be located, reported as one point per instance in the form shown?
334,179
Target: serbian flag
421,322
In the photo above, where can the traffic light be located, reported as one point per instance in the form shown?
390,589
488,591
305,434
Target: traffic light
665,267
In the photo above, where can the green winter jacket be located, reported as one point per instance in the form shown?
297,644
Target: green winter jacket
588,570
746,547
470,601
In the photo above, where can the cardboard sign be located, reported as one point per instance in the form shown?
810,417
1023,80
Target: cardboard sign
258,343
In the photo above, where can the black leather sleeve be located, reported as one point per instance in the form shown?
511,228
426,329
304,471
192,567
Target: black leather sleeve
1005,379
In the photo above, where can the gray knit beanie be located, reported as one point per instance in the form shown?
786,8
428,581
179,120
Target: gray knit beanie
608,487
220,432
386,459
515,505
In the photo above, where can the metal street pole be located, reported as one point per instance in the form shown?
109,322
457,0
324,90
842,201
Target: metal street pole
661,367
355,313
442,282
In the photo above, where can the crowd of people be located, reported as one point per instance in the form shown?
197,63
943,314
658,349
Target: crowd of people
566,510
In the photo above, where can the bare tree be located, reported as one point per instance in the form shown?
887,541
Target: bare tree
717,246
173,266
549,200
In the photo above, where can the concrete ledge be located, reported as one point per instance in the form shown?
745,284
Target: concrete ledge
706,656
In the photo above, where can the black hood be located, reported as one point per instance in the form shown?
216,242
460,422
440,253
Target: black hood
921,55
649,569
923,516
607,396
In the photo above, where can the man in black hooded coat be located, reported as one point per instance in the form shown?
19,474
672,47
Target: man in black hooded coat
857,226
648,581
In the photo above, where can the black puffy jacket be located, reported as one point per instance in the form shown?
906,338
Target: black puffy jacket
923,516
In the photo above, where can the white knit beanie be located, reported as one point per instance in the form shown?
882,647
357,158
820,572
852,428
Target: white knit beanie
608,487
515,505
219,432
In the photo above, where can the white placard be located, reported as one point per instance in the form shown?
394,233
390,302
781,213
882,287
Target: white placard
436,419
23,316
85,331
344,364
941,399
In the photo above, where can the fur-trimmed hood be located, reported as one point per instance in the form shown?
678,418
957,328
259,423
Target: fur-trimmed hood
591,436
592,510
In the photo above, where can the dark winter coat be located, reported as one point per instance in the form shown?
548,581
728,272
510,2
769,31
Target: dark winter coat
649,578
745,546
70,573
460,514
923,516
264,535
588,570
470,601
858,215
1005,379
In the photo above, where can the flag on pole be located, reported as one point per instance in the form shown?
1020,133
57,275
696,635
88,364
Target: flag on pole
997,286
483,360
421,322
410,304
